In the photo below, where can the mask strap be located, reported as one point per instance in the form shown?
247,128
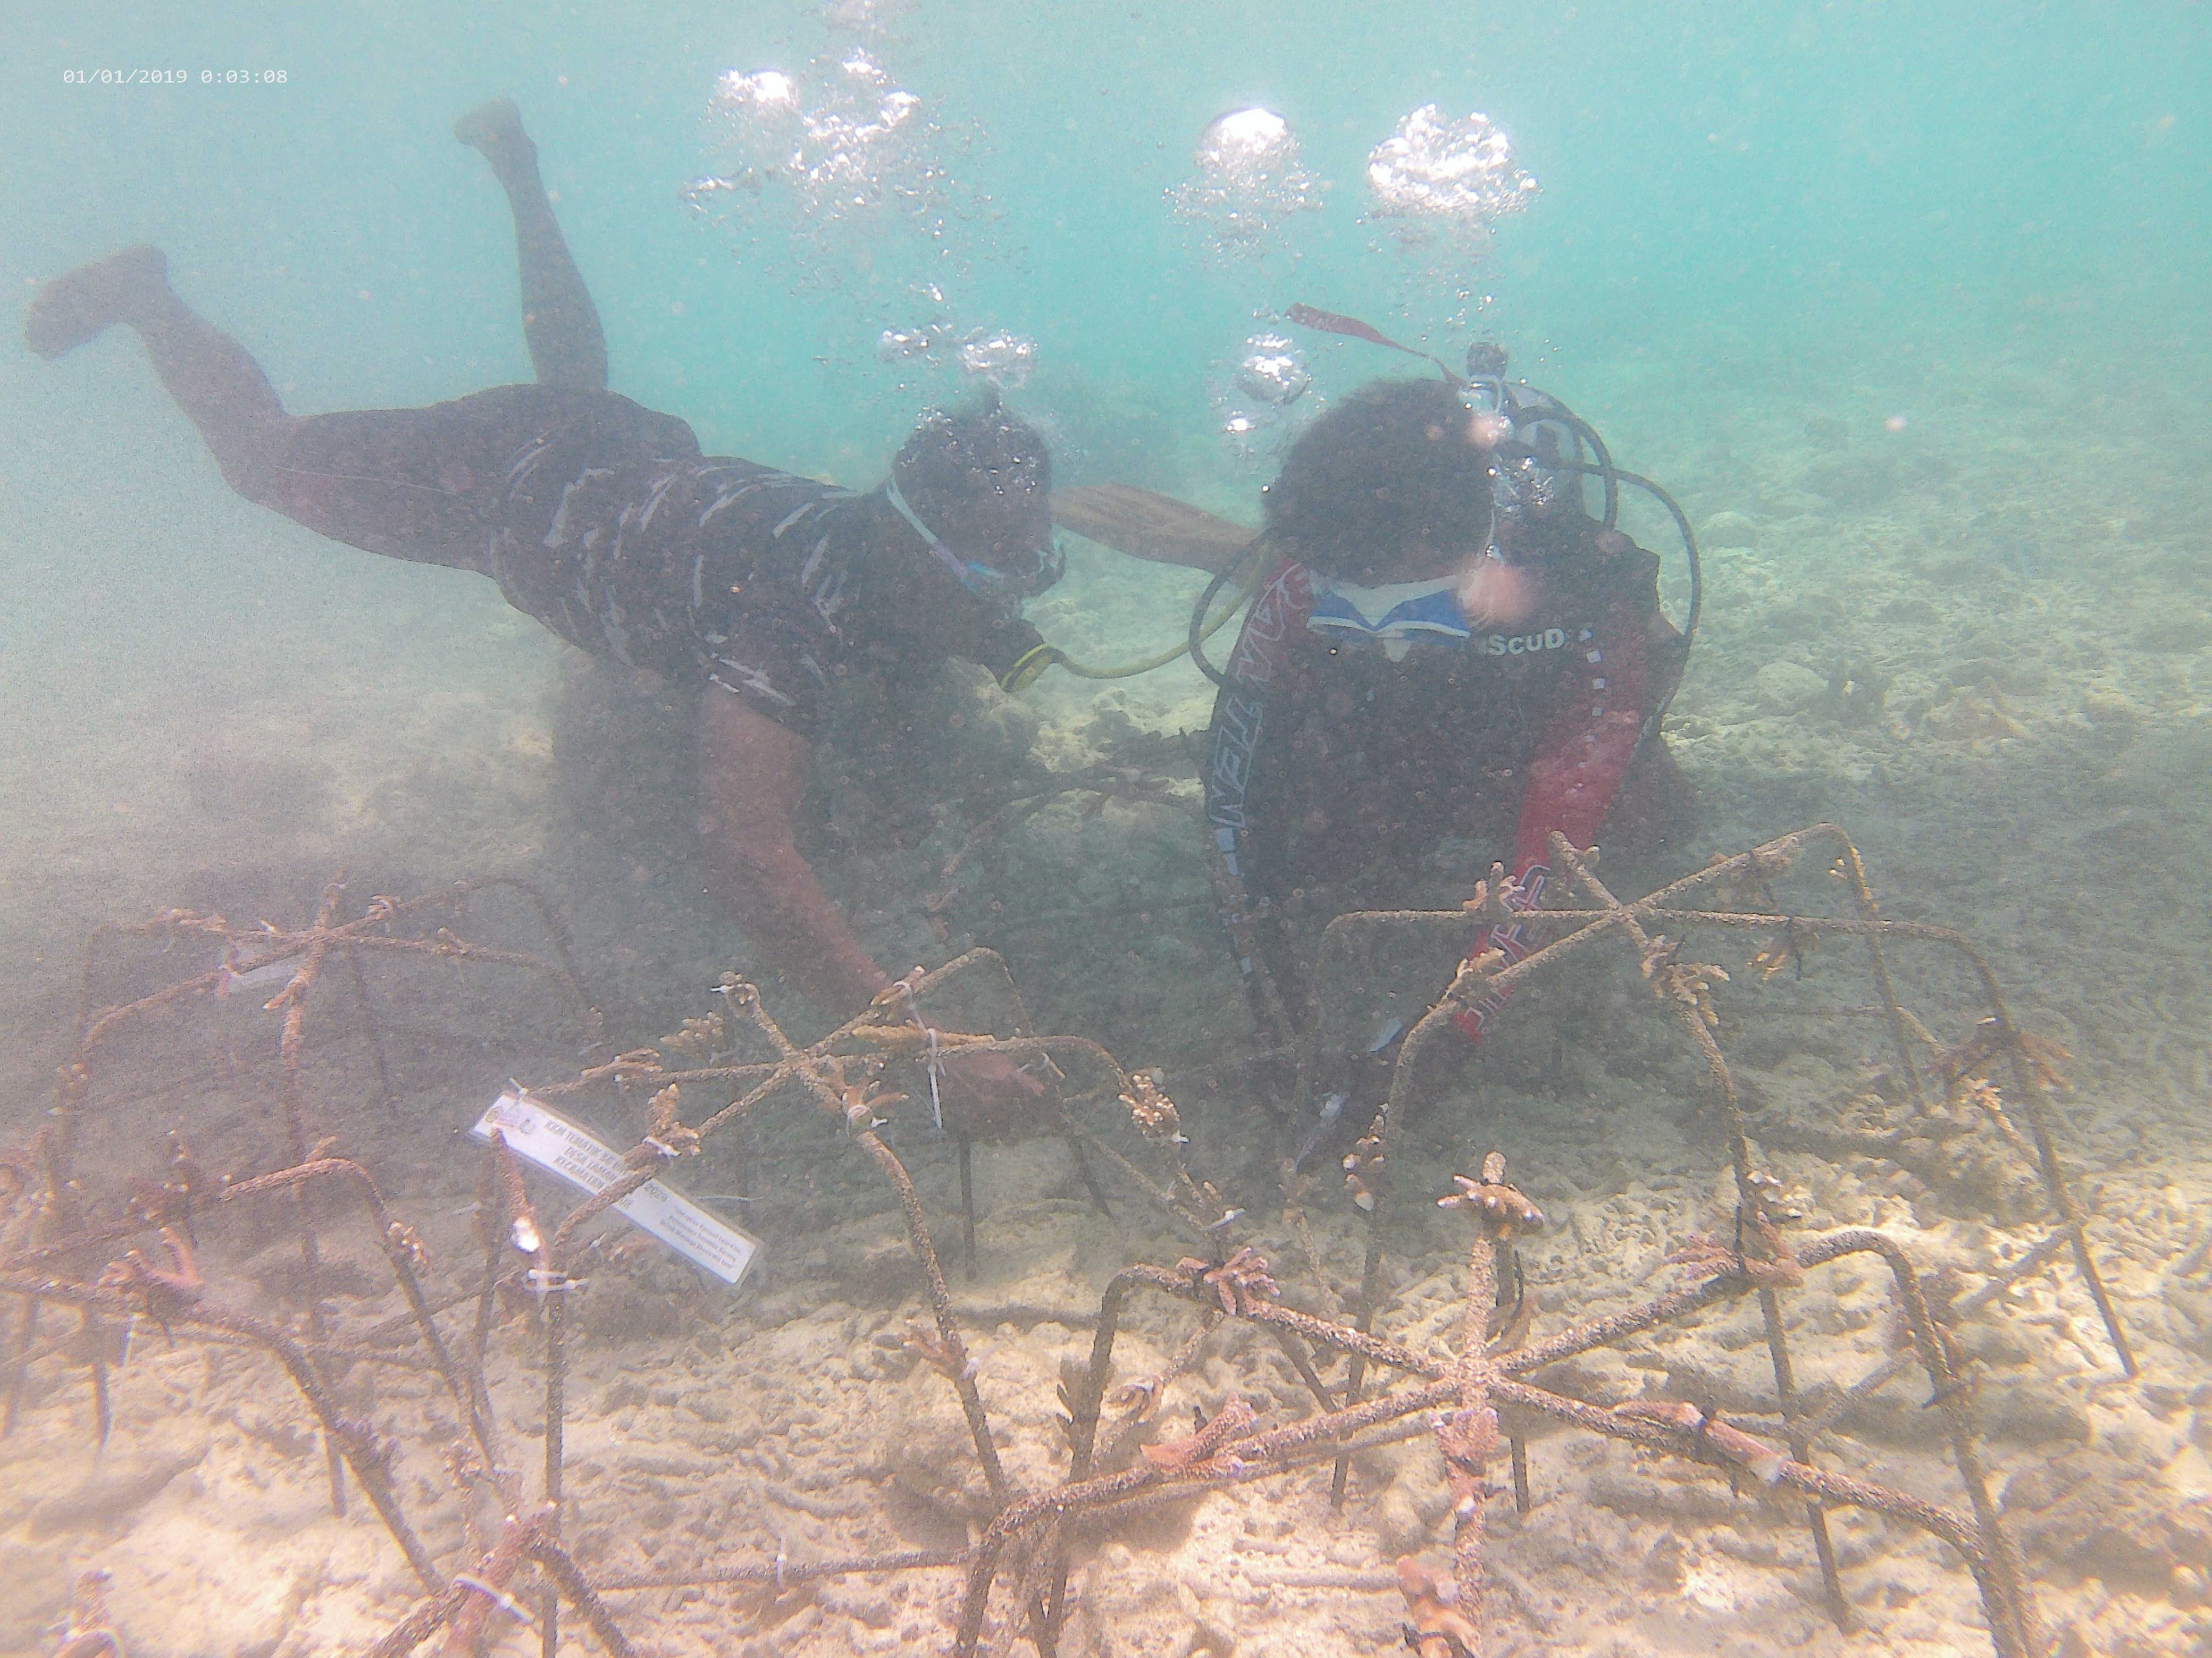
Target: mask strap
944,555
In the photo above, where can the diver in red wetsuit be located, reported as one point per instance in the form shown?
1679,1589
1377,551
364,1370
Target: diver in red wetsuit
1446,644
602,520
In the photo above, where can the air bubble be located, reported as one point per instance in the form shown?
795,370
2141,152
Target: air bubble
1436,189
1436,173
999,356
841,154
905,344
1263,399
1274,371
836,179
766,88
1247,186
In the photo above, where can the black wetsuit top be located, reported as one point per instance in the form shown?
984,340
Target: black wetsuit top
602,520
1331,763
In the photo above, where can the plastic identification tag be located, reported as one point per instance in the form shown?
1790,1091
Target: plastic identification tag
544,1137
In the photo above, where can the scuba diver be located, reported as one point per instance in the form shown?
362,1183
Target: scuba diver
1446,639
602,520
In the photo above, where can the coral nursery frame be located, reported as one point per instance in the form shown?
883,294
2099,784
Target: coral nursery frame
1477,1401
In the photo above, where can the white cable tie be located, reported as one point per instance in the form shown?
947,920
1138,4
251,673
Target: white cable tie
499,1597
936,1107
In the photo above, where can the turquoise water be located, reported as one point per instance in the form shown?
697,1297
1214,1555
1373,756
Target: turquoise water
1831,180
1867,204
1906,303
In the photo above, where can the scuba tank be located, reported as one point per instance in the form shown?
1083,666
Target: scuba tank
1562,448
1551,451
1555,455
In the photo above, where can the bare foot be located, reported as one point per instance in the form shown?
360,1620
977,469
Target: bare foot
494,132
72,309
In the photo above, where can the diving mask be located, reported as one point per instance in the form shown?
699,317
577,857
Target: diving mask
1007,587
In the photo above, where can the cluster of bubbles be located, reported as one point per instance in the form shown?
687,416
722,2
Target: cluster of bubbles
843,156
1246,186
1447,172
1437,188
837,177
1245,189
995,357
839,172
1264,398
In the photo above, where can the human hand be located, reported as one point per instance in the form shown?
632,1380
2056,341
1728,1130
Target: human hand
1500,939
1496,594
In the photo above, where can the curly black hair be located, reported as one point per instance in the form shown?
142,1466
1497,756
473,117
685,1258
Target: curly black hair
956,460
1392,469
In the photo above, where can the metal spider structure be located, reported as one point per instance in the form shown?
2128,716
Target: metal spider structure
1477,1400
1580,912
1585,913
45,1191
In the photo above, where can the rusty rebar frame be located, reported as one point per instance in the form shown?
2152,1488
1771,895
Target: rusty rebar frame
1475,1380
248,951
1758,865
1479,980
1472,1384
1754,868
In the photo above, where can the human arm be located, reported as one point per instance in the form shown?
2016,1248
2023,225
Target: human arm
1251,790
1581,755
1585,746
1146,524
752,776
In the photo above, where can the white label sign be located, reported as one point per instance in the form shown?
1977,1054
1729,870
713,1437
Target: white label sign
559,1147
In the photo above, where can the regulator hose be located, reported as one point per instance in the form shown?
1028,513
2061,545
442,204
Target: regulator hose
1024,672
1200,634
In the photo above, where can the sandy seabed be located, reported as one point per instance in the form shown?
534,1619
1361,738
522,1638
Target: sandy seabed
1979,642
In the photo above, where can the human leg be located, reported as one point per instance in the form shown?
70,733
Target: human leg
558,318
407,482
213,379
